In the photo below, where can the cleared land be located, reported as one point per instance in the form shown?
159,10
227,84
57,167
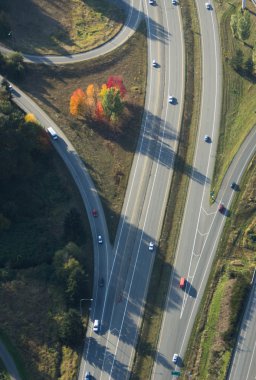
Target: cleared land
106,151
61,26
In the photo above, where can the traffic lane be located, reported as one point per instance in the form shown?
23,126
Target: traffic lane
244,360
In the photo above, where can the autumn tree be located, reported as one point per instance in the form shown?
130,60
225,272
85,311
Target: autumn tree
111,102
78,103
117,82
30,118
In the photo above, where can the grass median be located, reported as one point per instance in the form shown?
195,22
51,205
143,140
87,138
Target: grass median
155,303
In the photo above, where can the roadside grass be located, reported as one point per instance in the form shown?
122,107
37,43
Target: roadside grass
62,26
239,91
4,375
162,269
221,310
107,152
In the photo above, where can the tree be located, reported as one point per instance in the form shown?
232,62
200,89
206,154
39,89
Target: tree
77,103
249,66
117,82
14,65
244,26
112,103
254,55
4,25
70,328
233,25
30,118
237,60
73,227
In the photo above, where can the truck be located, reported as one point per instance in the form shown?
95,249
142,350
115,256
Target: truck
52,133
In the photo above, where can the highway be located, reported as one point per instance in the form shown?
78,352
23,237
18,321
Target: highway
244,360
110,354
127,266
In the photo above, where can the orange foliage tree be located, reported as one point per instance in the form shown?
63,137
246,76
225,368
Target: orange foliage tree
77,103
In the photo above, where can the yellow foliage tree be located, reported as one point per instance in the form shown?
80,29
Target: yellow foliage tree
30,118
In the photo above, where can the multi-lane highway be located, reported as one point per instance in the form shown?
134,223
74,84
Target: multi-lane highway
127,266
110,353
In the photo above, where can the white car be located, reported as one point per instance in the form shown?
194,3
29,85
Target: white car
171,99
208,6
100,240
96,325
154,64
151,2
175,358
151,246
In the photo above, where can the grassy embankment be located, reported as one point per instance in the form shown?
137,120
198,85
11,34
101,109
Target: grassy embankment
158,286
61,27
107,151
221,309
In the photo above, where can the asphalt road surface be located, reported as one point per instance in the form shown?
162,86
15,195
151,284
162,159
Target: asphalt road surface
109,354
244,360
9,363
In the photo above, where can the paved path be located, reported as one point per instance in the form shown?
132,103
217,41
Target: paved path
9,363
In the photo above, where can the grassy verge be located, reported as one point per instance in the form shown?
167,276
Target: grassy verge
221,310
62,26
147,343
107,152
239,91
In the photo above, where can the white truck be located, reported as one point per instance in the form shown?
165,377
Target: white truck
52,133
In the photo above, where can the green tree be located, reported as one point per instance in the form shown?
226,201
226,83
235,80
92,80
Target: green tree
244,26
70,328
254,55
233,25
237,60
73,227
112,103
4,25
249,65
14,65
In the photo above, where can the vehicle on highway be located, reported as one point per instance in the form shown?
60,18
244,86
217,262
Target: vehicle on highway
52,133
94,212
100,240
208,6
96,325
151,246
207,138
175,358
151,2
182,282
87,376
174,2
101,282
171,99
234,186
221,207
154,64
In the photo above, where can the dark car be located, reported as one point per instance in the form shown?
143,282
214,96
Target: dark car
94,212
87,376
234,186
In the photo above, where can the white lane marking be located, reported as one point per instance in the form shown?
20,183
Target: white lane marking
151,193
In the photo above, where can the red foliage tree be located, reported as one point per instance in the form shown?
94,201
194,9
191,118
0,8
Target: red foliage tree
117,82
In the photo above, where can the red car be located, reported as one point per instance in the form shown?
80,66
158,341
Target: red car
221,207
94,212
